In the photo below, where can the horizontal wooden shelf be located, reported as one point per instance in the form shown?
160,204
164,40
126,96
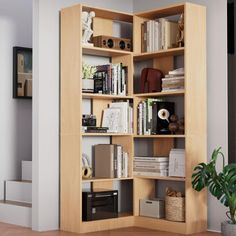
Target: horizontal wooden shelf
104,52
105,134
160,94
167,178
104,96
160,136
109,14
161,53
92,180
155,13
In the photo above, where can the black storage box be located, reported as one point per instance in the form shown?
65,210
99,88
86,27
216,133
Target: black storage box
99,204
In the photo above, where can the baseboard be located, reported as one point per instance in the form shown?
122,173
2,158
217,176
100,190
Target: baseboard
213,231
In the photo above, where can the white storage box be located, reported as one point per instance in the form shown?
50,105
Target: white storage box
152,208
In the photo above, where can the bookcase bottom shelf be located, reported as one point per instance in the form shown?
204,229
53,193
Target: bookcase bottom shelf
124,220
160,224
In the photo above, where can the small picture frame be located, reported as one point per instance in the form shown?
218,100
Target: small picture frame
22,72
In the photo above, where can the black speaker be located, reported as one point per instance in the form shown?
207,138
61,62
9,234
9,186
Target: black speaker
161,117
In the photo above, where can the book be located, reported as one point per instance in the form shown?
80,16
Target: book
104,160
123,116
177,163
142,173
155,159
92,129
111,119
171,31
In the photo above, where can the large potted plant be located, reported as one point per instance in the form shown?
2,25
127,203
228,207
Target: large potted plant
221,184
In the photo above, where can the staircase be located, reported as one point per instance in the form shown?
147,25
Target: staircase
16,208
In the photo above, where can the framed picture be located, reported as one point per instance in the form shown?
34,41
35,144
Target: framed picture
22,72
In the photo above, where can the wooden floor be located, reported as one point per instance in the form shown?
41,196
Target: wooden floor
11,230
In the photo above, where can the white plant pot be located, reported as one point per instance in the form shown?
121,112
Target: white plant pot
88,85
228,229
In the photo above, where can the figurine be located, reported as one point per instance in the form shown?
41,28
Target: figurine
180,34
87,26
173,125
181,126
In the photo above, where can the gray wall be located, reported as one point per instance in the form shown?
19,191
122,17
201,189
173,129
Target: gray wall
46,106
15,114
216,83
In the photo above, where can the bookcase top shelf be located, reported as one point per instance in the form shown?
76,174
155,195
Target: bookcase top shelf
104,96
174,9
161,53
160,94
109,14
103,52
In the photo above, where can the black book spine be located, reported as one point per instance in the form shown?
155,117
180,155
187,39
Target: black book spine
154,118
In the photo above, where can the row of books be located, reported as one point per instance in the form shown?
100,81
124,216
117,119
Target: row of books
173,81
118,117
153,116
110,161
111,79
158,34
151,166
173,166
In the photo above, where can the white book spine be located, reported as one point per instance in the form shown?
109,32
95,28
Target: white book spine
144,118
140,119
119,161
126,164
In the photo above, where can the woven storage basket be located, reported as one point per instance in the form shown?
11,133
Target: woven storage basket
175,208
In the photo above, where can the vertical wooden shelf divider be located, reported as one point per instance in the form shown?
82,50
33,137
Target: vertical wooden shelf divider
194,104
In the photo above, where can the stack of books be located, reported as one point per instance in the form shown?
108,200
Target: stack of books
111,79
110,161
149,121
177,163
151,166
118,117
158,34
174,81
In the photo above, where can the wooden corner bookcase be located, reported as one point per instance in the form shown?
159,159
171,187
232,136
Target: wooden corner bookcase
193,102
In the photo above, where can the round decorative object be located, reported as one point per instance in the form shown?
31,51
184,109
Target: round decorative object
164,114
173,126
228,229
86,172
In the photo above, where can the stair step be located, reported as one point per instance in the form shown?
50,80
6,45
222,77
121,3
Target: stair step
26,170
18,191
16,213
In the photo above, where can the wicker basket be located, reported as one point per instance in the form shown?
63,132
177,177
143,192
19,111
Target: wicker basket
175,208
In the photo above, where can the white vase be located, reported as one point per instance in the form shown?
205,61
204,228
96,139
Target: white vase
88,85
228,229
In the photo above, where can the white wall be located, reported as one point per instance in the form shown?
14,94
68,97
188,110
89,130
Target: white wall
216,83
46,106
15,114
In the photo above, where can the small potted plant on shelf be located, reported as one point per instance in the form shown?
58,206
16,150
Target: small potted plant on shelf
87,81
221,185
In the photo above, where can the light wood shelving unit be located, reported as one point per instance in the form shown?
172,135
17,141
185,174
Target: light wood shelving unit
194,105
